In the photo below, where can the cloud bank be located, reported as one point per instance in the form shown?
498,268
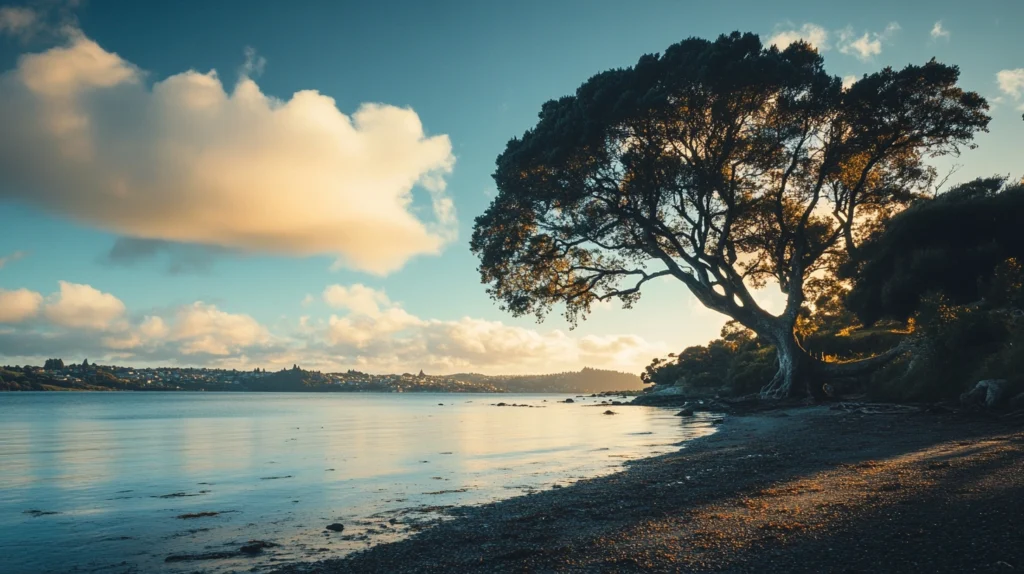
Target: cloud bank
357,327
377,333
88,136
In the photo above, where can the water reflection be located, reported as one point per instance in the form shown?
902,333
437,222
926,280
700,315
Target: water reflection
118,469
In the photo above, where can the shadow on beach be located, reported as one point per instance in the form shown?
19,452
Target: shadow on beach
803,490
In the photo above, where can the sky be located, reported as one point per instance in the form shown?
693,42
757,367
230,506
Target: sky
254,184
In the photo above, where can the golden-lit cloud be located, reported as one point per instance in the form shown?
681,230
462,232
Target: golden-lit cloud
203,328
380,335
83,306
362,328
89,136
18,305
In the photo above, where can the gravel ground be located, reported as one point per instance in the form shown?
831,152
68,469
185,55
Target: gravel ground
799,490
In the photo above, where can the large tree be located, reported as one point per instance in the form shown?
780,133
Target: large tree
725,165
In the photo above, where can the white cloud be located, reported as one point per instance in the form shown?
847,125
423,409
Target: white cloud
153,327
813,34
83,306
11,258
203,328
849,81
18,305
372,316
939,32
87,136
867,45
379,335
196,329
367,331
358,298
1011,82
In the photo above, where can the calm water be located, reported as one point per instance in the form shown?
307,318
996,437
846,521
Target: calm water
116,470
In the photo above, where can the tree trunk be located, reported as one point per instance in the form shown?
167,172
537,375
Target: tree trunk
798,374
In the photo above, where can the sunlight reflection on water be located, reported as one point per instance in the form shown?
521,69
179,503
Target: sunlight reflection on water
118,468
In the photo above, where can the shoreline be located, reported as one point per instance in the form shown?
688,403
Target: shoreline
804,489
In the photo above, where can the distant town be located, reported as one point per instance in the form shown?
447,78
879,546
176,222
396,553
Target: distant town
55,375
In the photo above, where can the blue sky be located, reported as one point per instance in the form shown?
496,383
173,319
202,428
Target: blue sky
473,74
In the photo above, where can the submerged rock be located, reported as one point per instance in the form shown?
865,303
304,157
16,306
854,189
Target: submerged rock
38,513
568,401
191,515
201,556
255,546
686,412
336,527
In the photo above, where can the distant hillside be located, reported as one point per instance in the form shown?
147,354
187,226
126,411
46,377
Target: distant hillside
290,380
56,376
585,381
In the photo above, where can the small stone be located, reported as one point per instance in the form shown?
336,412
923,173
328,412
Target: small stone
687,412
255,546
568,401
610,412
336,527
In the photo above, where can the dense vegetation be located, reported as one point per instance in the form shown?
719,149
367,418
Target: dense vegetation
586,380
725,165
944,276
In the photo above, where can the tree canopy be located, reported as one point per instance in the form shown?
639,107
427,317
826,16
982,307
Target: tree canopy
950,245
723,164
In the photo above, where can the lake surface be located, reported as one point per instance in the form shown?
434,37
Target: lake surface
98,482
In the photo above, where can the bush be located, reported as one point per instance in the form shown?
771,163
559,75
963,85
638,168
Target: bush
956,342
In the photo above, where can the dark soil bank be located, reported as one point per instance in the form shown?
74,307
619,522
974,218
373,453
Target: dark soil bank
804,490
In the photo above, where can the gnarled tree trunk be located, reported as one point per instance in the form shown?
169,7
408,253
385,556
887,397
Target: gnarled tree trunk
798,373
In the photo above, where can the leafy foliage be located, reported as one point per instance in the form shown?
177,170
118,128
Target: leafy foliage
736,363
950,245
723,164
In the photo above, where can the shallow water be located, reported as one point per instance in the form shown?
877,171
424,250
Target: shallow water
117,470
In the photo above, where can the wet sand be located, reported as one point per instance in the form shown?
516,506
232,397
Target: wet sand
800,490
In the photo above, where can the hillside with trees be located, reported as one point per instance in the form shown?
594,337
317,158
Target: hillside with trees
586,380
